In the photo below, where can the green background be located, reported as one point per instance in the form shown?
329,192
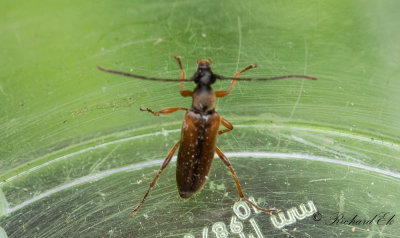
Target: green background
54,103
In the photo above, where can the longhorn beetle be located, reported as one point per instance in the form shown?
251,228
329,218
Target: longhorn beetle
201,122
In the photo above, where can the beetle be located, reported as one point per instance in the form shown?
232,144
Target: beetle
200,128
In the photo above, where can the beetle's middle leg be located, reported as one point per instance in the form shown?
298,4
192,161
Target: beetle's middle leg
224,93
164,165
227,124
163,111
239,188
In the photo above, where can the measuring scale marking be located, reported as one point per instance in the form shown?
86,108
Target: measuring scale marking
242,213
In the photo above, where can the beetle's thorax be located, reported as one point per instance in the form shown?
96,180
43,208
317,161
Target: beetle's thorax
203,95
203,99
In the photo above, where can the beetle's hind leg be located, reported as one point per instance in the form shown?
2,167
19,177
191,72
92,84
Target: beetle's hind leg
164,165
241,196
163,111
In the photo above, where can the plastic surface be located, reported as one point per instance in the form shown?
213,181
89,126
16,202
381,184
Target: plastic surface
77,155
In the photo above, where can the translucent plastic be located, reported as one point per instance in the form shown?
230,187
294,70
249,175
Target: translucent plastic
76,154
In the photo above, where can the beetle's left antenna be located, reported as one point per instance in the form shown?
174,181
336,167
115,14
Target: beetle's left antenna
140,76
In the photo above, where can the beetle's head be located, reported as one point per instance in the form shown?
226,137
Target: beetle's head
204,75
204,63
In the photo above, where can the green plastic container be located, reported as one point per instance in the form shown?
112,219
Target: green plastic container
76,154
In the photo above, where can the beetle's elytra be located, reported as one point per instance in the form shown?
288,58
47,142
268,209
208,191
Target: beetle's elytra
200,129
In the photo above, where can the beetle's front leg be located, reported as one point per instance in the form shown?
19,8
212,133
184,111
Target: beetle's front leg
163,111
224,93
184,93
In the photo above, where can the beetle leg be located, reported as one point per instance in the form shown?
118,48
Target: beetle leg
241,196
164,165
227,124
224,93
184,93
163,111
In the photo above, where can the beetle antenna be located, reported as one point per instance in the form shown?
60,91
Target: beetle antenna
265,79
140,76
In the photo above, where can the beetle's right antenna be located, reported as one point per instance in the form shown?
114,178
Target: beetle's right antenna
267,79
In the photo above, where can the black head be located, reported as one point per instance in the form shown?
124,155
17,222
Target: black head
204,75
